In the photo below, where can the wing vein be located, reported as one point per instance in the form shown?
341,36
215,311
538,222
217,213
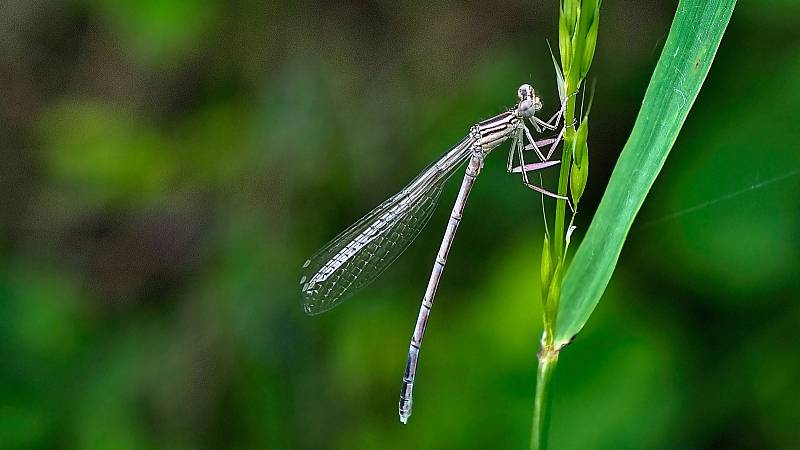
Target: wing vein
361,253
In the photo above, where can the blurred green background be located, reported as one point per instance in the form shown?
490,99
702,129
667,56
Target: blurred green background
167,166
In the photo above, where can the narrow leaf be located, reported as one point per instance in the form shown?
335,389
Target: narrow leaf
562,95
684,63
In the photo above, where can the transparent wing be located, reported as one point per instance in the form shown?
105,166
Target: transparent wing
359,254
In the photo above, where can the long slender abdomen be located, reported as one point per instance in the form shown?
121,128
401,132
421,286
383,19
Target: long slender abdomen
406,390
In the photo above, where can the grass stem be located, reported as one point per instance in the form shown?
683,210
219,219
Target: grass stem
541,406
563,177
578,21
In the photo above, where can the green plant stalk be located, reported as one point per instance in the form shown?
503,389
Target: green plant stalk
541,406
548,353
572,81
570,88
563,175
577,35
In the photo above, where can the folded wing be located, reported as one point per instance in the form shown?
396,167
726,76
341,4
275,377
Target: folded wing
362,252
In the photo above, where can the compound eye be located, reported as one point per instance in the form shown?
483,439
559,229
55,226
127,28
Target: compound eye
525,92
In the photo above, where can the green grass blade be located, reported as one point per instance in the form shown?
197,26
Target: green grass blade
684,63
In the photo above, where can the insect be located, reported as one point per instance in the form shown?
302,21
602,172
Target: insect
359,254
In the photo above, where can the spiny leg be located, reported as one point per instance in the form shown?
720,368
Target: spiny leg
549,124
533,167
532,144
525,180
510,164
535,145
524,168
544,191
544,161
552,142
555,143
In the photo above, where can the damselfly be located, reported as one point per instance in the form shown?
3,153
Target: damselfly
359,254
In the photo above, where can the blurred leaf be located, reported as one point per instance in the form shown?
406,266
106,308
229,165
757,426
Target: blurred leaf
685,61
160,31
42,310
103,154
722,222
116,388
591,407
22,426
